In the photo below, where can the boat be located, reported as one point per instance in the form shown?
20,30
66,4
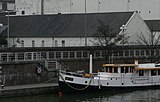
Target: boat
111,77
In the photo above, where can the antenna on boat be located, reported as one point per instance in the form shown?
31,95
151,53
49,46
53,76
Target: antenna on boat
90,64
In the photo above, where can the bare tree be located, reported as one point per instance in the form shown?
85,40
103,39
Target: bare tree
105,37
150,39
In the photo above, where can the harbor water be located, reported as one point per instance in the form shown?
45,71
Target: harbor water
149,95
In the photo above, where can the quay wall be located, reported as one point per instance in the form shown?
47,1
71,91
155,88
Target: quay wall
21,73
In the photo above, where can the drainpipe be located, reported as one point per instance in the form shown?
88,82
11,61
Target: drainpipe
42,7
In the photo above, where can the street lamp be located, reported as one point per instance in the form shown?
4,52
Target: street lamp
8,42
8,23
85,20
1,25
123,29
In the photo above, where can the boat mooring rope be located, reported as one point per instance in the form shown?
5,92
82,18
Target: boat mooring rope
75,87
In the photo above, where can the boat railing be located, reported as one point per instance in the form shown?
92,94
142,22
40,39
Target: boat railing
79,74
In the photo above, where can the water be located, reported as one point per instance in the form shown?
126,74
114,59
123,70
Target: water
150,95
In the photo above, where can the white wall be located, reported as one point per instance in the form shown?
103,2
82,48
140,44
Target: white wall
29,6
50,42
10,6
149,9
134,27
0,5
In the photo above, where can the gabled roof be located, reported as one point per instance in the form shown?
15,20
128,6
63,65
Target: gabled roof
154,25
64,25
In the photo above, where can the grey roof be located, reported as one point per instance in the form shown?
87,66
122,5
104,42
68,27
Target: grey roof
64,24
7,0
154,25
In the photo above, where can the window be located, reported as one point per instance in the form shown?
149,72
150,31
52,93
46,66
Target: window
22,43
56,43
153,72
142,52
65,54
157,52
72,54
122,70
79,54
43,43
23,12
115,53
120,53
137,52
115,69
33,43
126,53
131,53
141,72
44,54
51,55
126,69
58,54
109,69
85,54
158,72
97,54
131,69
63,43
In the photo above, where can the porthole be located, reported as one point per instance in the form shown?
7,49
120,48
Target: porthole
85,81
107,83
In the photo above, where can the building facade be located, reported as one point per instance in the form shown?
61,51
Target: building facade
7,5
149,9
70,29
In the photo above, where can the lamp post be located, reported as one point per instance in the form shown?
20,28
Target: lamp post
85,24
1,25
8,42
123,29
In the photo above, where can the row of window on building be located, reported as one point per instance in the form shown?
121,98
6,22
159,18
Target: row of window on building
50,55
43,44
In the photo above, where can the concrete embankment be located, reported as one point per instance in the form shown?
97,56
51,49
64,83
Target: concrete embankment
26,78
31,89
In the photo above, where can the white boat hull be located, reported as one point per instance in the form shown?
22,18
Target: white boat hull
100,82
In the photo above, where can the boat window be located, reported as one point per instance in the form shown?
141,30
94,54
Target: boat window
122,69
115,69
126,69
158,72
141,72
158,65
131,69
69,79
109,69
153,72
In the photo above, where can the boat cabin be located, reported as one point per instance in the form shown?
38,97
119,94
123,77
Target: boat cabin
119,68
137,69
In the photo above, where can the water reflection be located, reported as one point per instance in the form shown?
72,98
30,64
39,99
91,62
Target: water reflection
151,95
